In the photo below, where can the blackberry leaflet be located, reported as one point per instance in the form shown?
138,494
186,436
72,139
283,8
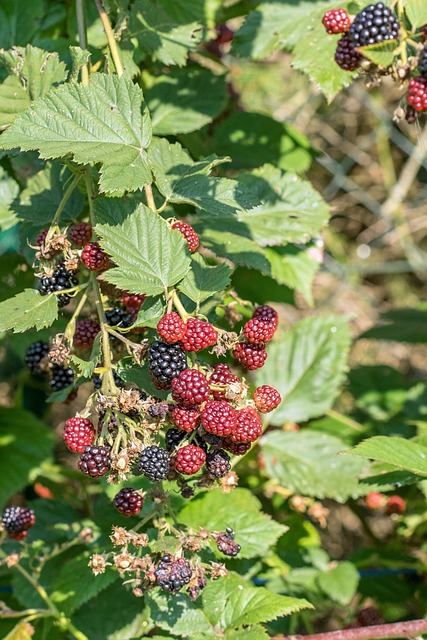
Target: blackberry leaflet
154,462
165,362
60,279
35,354
375,23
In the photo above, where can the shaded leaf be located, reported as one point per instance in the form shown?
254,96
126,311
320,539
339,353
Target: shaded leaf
203,281
19,21
9,189
402,325
340,582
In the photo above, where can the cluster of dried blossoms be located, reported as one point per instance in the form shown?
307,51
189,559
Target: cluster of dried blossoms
374,26
207,417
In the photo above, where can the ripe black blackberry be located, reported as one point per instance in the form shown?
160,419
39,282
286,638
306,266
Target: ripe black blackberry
173,573
35,354
422,63
174,437
165,362
95,461
375,23
226,543
97,381
61,377
218,463
118,318
17,519
60,279
346,55
154,463
128,501
207,438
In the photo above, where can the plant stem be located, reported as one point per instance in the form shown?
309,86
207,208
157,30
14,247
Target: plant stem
65,198
81,26
179,306
409,629
110,37
69,332
150,197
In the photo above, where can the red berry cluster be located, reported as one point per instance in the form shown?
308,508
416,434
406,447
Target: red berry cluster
189,234
258,331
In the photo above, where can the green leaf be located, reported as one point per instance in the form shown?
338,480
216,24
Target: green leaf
180,180
240,510
19,21
185,100
150,313
106,122
37,70
203,281
79,57
307,366
85,368
25,440
254,632
416,10
293,267
150,257
402,325
405,454
253,139
9,189
340,582
179,616
164,29
13,100
243,604
381,54
75,583
307,462
26,310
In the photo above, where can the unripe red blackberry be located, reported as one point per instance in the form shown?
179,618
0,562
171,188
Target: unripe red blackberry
199,335
78,434
171,327
268,314
266,398
173,573
190,388
95,258
39,242
346,55
218,417
375,23
154,462
185,418
189,459
258,331
248,426
16,520
336,21
85,333
81,234
251,356
95,461
226,543
218,463
133,302
395,504
222,376
417,93
236,448
128,501
189,234
374,500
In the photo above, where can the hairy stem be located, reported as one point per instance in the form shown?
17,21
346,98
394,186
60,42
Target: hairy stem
81,26
110,37
409,629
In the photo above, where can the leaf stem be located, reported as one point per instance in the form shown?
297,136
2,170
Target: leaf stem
150,197
81,26
69,332
179,306
409,629
110,37
65,198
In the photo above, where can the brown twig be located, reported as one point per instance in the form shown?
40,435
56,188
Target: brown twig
409,629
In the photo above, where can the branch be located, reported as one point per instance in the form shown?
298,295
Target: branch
409,629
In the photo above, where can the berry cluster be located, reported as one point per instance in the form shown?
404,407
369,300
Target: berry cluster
60,280
16,521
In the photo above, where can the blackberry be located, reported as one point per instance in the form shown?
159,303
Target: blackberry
173,438
81,233
218,463
97,380
165,362
95,461
336,21
346,55
195,590
17,519
173,573
248,426
219,417
204,437
60,279
85,333
171,327
422,62
185,418
78,434
266,398
395,504
118,318
95,258
251,356
154,462
189,234
35,354
375,23
128,501
226,543
236,448
199,335
62,377
258,331
189,459
222,376
417,93
159,410
190,388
